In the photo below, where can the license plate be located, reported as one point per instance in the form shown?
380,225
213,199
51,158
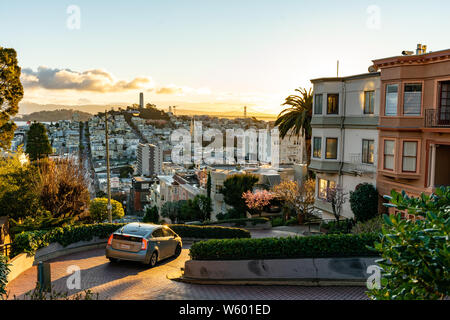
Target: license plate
125,246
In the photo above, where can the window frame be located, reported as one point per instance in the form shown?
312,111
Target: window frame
326,148
385,99
337,111
371,102
404,84
320,149
316,104
416,157
392,155
368,148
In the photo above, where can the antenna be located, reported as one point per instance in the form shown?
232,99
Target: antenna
337,71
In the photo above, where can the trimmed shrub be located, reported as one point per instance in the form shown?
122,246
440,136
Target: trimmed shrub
326,246
364,202
277,222
29,242
209,232
4,271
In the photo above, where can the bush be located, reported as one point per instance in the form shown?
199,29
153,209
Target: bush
373,225
326,246
292,222
364,202
277,222
29,242
99,212
208,232
4,271
338,227
416,255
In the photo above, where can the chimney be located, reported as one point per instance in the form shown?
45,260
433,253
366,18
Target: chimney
419,49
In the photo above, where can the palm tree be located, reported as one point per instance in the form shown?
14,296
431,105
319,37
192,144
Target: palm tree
297,118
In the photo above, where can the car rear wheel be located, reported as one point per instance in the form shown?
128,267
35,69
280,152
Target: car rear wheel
178,250
153,259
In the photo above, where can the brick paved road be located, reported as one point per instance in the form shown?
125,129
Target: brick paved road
127,280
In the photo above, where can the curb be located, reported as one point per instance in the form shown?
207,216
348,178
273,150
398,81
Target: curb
269,282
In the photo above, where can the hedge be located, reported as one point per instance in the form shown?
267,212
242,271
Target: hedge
325,246
240,222
31,241
4,271
209,232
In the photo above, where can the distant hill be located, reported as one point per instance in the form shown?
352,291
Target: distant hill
54,115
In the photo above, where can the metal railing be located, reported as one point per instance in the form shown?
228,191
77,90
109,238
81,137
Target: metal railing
5,249
435,118
357,164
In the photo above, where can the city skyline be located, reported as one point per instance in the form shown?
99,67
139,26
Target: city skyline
201,54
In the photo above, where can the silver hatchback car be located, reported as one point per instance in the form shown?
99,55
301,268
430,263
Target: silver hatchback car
143,242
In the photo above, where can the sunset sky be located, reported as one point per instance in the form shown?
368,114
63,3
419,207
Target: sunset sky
206,53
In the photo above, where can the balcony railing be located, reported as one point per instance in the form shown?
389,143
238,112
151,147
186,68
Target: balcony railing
435,118
357,164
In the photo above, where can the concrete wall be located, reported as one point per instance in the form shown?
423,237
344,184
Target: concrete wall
314,270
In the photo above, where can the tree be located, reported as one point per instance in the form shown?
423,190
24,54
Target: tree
151,215
99,212
257,200
364,202
126,172
233,188
336,197
173,210
297,197
63,188
19,191
416,254
198,208
38,146
208,185
297,118
11,92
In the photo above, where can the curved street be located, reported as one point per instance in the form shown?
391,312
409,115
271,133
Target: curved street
134,281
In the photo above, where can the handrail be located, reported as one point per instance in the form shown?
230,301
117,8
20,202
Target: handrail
5,249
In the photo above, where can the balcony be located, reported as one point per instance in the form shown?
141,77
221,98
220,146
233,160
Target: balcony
435,118
359,167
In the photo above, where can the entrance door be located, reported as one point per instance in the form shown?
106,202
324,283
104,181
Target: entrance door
444,104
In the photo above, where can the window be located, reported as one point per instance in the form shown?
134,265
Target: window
324,185
369,102
409,156
318,103
333,103
391,100
367,151
158,233
331,151
167,232
412,99
317,148
389,146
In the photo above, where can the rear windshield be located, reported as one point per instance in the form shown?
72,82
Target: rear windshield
127,238
134,231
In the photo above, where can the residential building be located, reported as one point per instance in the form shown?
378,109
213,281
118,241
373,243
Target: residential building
344,135
149,159
414,128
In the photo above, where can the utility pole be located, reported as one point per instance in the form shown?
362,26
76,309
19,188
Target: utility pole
108,181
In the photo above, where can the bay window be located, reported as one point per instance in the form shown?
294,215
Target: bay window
391,100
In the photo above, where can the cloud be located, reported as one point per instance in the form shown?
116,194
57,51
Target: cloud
91,80
176,90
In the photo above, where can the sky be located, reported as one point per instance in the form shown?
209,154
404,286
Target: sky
206,53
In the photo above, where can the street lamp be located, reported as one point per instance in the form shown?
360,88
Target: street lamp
108,181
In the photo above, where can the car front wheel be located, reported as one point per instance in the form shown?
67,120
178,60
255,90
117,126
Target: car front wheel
178,250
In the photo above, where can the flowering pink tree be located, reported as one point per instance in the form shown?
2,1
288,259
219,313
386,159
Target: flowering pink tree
257,200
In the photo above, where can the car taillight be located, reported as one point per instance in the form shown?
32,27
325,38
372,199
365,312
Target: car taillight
110,239
144,244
